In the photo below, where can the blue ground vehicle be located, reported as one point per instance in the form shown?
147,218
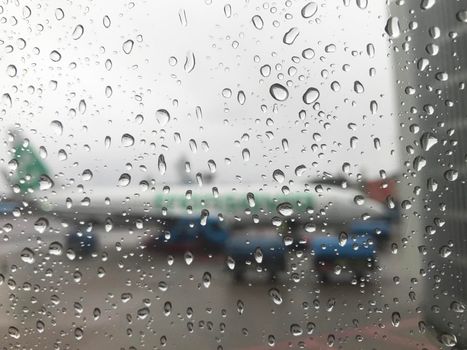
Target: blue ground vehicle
267,252
83,241
189,235
356,255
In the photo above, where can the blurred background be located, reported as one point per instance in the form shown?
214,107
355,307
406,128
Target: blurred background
245,175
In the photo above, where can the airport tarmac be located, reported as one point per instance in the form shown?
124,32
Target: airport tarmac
128,298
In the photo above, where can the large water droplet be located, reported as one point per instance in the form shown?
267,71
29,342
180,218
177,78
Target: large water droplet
392,27
128,46
162,116
285,209
257,22
395,319
278,175
190,62
41,225
427,4
291,35
188,256
451,175
27,255
309,10
161,164
428,140
296,330
311,95
124,180
300,170
128,140
279,92
55,56
78,32
55,248
275,295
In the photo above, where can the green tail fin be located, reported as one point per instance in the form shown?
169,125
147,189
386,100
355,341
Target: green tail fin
29,168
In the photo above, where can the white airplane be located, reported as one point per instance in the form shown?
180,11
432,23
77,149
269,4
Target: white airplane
31,181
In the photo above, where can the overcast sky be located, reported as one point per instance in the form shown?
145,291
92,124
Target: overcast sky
228,52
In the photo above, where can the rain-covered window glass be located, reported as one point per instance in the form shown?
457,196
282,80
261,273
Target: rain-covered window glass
206,174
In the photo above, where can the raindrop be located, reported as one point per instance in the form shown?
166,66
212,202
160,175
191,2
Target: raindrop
291,35
308,54
55,56
167,308
278,175
246,155
40,326
45,182
206,279
27,255
26,12
188,256
124,180
362,4
41,225
396,319
142,313
462,16
451,175
449,340
190,62
392,27
128,46
258,254
445,251
285,209
457,307
59,14
182,17
279,92
300,170
161,164
311,95
257,22
78,32
82,106
309,10
204,217
162,116
296,330
212,166
11,70
241,97
358,87
13,332
359,200
428,140
251,199
128,140
266,71
106,21
55,248
126,297
342,238
427,4
228,11
275,295
108,91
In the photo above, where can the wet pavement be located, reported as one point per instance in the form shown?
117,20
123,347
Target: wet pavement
127,298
